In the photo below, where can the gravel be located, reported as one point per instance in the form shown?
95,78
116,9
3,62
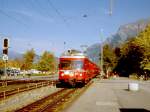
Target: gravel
22,99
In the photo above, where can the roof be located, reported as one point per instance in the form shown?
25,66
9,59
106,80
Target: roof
73,57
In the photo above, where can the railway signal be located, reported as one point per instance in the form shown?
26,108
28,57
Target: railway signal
5,46
5,51
6,42
5,54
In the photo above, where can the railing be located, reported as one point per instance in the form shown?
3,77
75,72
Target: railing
5,83
5,94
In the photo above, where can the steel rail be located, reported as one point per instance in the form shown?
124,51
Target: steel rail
35,105
54,101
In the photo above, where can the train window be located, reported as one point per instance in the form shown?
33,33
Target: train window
65,64
77,64
71,64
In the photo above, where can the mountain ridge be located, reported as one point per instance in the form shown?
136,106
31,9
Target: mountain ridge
124,32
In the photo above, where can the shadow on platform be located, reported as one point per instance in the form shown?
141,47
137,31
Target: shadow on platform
133,110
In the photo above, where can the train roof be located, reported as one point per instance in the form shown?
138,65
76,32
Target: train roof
73,54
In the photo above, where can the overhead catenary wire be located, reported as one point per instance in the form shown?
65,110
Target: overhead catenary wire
62,18
13,18
58,12
43,9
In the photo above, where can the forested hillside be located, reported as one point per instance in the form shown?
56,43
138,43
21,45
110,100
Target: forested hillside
132,57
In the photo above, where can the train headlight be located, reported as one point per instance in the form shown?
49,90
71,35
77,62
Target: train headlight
71,74
62,74
80,74
66,72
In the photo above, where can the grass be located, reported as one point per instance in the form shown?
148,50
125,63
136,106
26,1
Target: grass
37,75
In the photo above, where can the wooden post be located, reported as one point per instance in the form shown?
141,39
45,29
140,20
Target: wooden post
18,90
4,94
28,87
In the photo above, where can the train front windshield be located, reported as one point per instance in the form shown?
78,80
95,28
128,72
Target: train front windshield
71,64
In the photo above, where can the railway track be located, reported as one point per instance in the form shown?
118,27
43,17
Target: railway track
55,101
8,93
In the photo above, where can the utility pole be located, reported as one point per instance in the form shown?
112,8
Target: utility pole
102,61
138,29
102,70
64,45
111,7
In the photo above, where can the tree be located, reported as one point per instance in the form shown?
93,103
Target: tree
28,59
47,62
131,55
17,63
1,64
135,54
143,40
109,57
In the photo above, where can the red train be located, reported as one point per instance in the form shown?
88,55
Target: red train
75,68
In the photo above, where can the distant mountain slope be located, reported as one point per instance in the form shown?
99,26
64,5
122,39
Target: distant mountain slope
124,33
93,52
12,54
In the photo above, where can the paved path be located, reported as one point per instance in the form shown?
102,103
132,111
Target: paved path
111,96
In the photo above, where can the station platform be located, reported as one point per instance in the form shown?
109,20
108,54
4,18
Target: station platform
112,96
98,98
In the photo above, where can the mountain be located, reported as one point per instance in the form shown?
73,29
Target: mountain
12,54
124,33
93,52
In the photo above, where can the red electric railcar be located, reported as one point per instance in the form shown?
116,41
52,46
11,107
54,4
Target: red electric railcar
76,68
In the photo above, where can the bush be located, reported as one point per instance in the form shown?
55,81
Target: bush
133,76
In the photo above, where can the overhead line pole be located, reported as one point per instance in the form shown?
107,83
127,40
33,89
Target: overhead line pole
110,14
111,7
102,70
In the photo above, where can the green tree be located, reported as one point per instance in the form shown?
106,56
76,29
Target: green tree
132,55
109,57
47,62
28,59
135,54
1,63
17,63
143,40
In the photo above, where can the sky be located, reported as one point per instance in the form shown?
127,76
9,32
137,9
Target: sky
58,25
